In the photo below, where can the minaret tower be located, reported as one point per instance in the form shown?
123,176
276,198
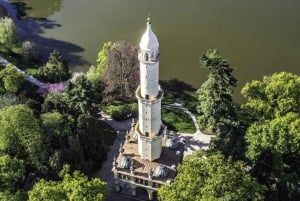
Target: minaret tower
149,94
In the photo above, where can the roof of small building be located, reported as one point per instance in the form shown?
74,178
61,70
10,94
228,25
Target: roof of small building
172,143
162,171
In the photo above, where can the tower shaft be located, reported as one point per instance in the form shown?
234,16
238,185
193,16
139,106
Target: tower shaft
149,95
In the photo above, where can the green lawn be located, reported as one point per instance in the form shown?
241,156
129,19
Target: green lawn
177,120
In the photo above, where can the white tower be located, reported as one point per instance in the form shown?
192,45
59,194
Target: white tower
149,94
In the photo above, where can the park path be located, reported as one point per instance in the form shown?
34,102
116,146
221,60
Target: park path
193,142
44,88
28,77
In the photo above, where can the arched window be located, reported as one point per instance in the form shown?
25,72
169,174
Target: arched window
146,56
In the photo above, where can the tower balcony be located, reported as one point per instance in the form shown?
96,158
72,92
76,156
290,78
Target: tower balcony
149,99
148,57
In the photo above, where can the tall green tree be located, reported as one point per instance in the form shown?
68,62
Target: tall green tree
8,32
210,177
216,110
81,96
20,134
56,69
215,95
273,137
95,73
73,187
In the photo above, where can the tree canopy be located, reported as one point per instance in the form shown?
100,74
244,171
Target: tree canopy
12,80
274,96
20,134
12,170
118,69
273,138
73,187
210,177
95,74
80,95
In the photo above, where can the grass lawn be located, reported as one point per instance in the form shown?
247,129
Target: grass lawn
178,121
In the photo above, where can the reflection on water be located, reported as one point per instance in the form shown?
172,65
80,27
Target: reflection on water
37,9
258,37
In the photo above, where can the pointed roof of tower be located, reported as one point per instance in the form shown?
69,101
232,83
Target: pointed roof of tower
149,40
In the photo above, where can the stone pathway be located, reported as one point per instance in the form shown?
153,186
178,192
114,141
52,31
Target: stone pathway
194,142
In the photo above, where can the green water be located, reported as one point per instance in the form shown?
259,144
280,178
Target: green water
258,37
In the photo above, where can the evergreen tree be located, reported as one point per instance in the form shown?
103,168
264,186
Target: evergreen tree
56,69
215,95
215,107
80,96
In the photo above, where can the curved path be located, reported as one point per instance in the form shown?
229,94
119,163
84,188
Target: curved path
195,141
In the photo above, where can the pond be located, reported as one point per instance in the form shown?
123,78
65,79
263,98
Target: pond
258,37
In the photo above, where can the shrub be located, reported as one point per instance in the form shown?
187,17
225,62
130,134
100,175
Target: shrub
121,111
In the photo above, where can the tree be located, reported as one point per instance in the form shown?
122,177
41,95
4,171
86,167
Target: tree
8,99
8,32
20,134
80,96
118,69
92,137
19,195
56,130
211,177
274,135
272,97
12,170
215,95
54,101
216,110
121,76
74,186
13,81
29,51
95,74
56,69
